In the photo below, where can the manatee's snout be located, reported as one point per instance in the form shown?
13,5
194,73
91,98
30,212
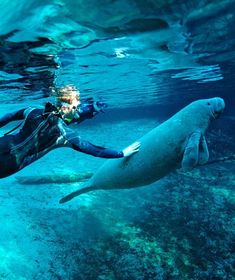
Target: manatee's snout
217,106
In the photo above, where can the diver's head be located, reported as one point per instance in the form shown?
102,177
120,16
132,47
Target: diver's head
216,106
69,95
67,100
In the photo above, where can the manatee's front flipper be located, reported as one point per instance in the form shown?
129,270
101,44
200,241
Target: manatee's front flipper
191,152
203,151
76,193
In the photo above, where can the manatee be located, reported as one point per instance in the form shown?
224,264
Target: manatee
177,142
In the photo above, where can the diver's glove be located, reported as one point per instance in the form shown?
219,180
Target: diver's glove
99,106
132,149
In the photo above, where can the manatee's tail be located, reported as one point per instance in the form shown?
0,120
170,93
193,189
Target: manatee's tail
76,193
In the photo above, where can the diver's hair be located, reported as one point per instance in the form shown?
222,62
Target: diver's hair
66,94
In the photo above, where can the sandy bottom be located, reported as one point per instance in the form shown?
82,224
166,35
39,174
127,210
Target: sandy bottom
178,228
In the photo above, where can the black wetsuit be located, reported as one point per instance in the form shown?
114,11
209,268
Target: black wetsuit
42,131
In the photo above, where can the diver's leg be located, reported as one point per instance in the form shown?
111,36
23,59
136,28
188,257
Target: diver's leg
7,165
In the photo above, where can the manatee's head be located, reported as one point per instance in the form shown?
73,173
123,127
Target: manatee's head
200,113
215,106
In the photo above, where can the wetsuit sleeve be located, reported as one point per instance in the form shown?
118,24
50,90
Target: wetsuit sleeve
86,111
89,109
76,143
14,116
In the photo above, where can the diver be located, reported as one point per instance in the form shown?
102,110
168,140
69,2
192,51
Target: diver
45,129
79,111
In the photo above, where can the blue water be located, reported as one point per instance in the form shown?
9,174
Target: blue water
147,60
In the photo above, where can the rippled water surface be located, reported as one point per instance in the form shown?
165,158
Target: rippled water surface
155,51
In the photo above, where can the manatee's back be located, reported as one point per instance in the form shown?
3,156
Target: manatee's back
161,152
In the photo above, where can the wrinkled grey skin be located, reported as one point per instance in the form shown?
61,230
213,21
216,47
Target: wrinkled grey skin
178,142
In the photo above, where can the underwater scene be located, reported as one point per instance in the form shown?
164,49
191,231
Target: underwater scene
80,82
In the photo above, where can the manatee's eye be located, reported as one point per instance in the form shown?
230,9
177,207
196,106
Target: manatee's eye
208,103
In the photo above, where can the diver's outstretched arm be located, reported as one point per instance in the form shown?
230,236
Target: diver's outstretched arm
97,151
14,116
75,142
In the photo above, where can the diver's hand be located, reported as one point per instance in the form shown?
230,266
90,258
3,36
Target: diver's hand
99,106
133,148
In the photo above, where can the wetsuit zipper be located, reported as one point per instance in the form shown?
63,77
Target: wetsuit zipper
30,137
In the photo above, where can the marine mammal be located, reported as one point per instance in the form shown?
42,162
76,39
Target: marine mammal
179,141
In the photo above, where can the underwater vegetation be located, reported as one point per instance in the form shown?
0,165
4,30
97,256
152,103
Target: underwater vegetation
179,228
180,231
